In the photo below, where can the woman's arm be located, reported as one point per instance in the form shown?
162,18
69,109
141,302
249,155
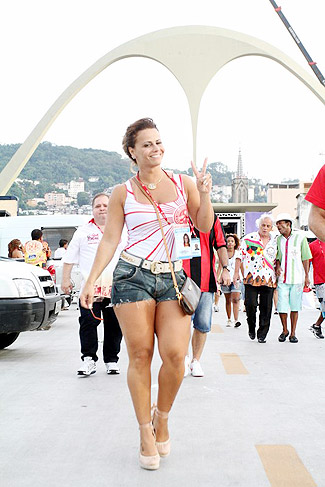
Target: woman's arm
238,264
108,244
224,262
219,271
198,199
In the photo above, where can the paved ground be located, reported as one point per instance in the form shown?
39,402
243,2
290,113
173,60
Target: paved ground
255,419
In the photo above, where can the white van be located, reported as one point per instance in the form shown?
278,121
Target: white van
28,299
54,227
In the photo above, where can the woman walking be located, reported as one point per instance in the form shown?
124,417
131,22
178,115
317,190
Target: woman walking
143,295
232,292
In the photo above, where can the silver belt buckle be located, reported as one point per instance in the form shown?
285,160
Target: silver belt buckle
156,267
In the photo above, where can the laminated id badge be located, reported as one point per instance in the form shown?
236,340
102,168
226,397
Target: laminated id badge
195,247
183,248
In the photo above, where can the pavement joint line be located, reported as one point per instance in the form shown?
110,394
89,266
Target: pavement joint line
284,467
233,364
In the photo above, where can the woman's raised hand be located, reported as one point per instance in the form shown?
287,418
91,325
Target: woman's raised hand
203,178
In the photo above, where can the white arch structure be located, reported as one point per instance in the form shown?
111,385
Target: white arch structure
193,54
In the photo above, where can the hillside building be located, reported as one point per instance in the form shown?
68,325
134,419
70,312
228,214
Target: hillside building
76,187
56,199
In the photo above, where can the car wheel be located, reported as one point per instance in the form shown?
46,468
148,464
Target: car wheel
7,339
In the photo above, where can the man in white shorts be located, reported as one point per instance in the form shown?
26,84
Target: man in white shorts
292,267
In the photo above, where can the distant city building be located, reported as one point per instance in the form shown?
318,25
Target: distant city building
251,193
33,202
220,194
108,190
76,187
84,210
63,186
55,199
240,183
303,206
20,181
289,198
8,206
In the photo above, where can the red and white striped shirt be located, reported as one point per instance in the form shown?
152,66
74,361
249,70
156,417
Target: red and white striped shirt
144,234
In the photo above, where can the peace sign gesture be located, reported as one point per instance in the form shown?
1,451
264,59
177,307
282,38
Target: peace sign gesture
203,178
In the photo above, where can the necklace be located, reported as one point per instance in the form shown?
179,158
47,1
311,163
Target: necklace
151,185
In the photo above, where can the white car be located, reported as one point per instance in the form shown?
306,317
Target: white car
28,299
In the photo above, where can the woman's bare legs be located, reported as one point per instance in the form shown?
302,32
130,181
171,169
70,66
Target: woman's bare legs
137,324
228,305
173,333
235,299
216,300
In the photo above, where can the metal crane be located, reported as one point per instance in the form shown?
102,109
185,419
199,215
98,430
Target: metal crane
311,63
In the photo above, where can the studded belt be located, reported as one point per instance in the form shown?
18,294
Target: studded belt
155,266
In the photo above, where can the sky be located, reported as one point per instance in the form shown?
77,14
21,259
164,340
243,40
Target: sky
252,104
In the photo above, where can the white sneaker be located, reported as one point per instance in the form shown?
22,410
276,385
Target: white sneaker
88,367
229,323
215,308
112,368
187,362
196,369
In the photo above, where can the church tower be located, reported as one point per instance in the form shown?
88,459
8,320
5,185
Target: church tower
239,186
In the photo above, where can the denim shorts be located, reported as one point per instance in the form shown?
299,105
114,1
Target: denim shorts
289,297
230,289
132,284
202,317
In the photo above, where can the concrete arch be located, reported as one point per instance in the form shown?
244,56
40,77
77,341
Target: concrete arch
193,54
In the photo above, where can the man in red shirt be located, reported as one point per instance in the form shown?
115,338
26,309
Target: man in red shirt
202,271
316,196
317,249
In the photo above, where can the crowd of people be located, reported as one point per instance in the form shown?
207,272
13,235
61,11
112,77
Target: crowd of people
267,261
129,255
36,251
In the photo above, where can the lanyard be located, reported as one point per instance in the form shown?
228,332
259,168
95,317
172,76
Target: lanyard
93,221
157,204
151,197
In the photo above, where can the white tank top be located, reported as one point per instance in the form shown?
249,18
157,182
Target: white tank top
144,234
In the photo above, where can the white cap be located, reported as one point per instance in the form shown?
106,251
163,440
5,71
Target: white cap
285,217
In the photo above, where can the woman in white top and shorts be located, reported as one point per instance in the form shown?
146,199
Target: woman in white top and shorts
232,292
143,295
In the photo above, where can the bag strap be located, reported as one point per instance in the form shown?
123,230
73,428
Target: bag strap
178,293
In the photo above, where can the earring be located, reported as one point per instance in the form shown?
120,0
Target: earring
133,167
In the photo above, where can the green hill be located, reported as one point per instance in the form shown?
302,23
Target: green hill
51,164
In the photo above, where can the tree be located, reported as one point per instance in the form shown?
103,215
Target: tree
83,198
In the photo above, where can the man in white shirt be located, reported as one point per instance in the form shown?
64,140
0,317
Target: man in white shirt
258,253
82,250
63,247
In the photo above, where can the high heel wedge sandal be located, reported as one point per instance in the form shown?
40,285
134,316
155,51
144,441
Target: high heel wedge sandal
163,447
151,462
